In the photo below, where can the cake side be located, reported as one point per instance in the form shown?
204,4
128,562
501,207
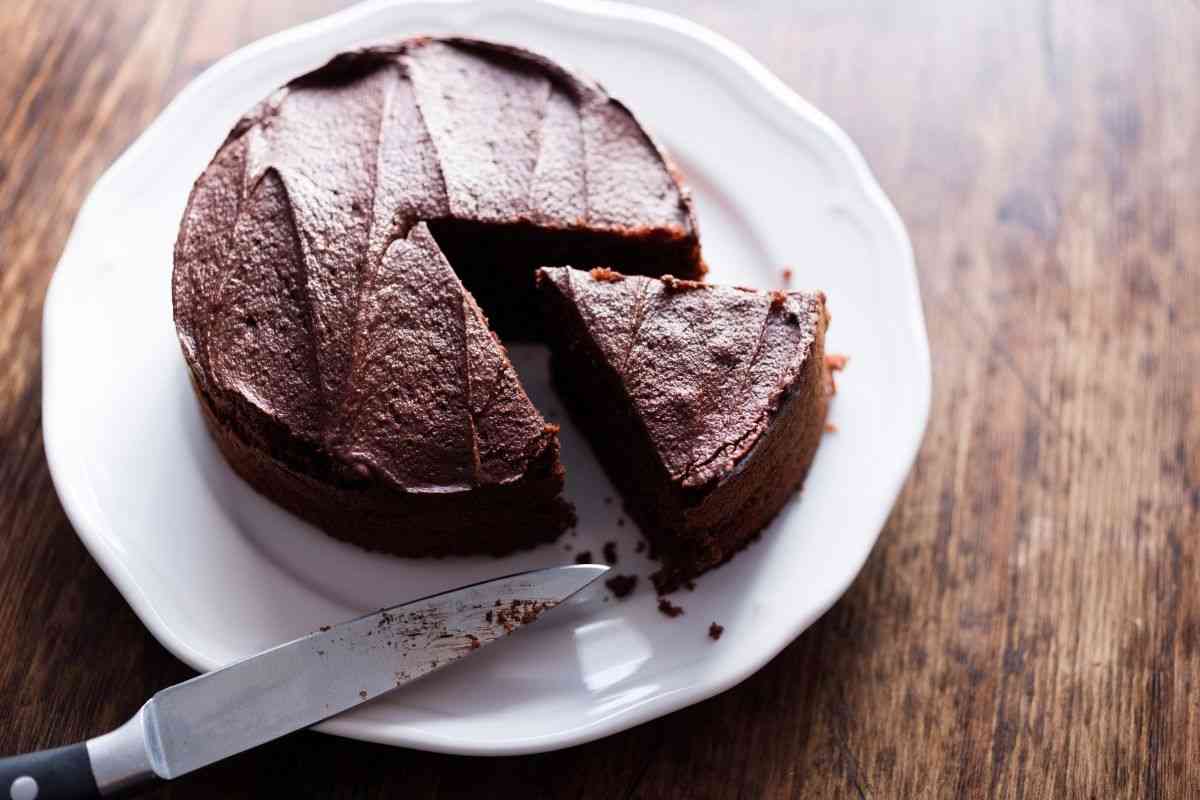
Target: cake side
706,430
493,520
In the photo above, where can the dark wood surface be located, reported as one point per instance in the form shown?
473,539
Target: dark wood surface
1028,624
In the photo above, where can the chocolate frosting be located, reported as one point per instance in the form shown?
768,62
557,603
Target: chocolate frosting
315,309
705,367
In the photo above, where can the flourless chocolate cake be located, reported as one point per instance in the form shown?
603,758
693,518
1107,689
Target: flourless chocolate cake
704,404
333,260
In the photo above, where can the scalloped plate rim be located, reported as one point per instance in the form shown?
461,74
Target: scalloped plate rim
730,61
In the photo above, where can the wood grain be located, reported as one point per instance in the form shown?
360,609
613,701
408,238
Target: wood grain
1028,625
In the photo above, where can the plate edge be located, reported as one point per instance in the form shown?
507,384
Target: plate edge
695,35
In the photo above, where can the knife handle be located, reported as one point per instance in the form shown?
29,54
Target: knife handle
64,773
117,763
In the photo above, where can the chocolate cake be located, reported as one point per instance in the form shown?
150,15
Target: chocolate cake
704,404
333,260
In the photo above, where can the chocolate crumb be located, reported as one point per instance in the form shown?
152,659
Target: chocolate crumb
608,501
835,363
324,628
621,585
669,608
640,547
606,275
715,631
610,552
620,522
689,585
787,275
488,616
363,694
583,557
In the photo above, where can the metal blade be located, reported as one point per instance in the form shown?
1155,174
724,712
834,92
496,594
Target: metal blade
300,683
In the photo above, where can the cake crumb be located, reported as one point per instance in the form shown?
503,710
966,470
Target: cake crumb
836,361
671,283
362,694
610,553
669,608
473,643
606,275
640,547
620,522
622,585
715,631
787,275
830,427
583,557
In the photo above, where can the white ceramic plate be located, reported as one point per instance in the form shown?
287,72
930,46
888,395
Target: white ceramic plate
217,572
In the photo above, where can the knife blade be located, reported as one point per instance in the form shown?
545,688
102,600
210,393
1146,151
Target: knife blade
292,686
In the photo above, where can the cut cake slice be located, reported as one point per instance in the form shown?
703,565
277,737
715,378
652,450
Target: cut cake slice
705,404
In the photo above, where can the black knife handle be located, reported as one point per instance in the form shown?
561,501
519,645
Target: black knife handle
64,773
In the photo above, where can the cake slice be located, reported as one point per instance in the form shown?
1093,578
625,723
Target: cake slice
705,404
436,449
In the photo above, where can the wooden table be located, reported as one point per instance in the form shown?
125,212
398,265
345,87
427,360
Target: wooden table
1029,623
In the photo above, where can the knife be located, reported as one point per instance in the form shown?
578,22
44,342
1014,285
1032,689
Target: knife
289,687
